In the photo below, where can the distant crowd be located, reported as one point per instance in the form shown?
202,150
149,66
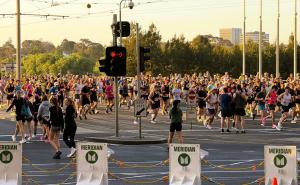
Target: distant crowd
74,97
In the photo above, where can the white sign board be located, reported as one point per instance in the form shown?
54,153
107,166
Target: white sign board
140,108
191,116
10,163
92,166
281,165
185,164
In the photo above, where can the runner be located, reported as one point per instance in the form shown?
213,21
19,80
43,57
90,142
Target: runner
211,105
240,101
70,126
285,100
44,119
57,125
175,115
272,102
18,103
154,99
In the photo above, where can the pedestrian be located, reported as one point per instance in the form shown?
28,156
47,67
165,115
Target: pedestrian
176,122
240,102
154,99
36,104
18,102
57,125
44,117
285,100
226,112
70,126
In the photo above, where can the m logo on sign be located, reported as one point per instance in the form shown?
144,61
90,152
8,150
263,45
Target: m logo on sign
6,157
91,157
280,161
184,159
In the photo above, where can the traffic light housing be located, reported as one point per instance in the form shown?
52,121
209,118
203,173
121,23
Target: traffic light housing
125,29
144,57
114,63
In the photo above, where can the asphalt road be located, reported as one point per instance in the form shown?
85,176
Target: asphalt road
229,150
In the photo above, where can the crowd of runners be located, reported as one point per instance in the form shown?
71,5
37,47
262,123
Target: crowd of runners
43,100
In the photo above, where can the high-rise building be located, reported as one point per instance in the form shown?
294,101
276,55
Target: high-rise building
254,36
231,34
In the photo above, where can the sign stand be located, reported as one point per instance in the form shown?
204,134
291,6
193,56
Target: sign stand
281,165
92,165
10,163
185,164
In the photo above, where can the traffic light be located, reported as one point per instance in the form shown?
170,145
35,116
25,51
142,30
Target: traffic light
125,29
144,57
115,62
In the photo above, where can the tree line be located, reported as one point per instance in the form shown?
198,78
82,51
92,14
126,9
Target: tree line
177,55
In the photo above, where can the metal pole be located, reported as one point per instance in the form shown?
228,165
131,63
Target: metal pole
244,40
295,43
260,43
18,54
116,82
277,42
120,16
138,69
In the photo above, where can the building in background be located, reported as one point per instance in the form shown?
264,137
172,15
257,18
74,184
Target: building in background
217,40
254,36
231,34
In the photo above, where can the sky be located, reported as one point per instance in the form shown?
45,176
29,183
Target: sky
171,17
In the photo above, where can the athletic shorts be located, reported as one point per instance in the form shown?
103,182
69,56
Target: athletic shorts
239,112
292,105
225,113
85,101
201,104
176,127
211,111
20,118
10,97
261,107
272,107
285,109
155,105
165,98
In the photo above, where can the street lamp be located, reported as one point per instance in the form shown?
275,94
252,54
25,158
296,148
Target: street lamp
130,5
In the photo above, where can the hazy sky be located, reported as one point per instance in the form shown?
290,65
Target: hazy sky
187,17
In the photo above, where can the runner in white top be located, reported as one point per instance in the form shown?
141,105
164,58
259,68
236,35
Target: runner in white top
285,99
211,105
78,87
176,92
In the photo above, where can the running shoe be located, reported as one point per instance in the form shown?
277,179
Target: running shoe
228,130
243,132
278,127
73,151
153,122
209,127
222,131
293,121
13,138
273,126
22,141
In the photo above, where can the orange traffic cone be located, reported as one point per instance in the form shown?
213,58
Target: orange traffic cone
274,182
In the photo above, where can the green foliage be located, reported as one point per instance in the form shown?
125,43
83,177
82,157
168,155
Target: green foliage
176,55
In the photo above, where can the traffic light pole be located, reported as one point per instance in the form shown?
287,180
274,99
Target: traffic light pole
116,82
138,69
